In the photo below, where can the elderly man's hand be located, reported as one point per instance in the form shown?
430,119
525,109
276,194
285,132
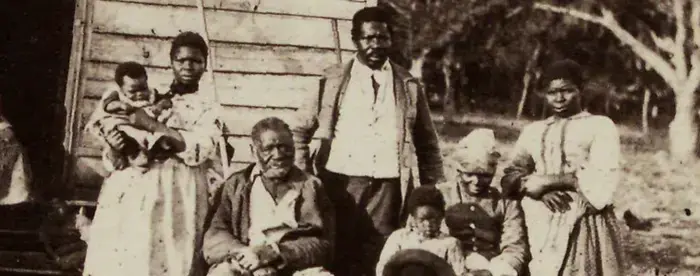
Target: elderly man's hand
481,272
247,259
266,254
265,271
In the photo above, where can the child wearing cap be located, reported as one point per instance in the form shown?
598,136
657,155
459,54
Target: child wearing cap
490,228
426,208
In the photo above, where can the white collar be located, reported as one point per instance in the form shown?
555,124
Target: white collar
257,171
360,68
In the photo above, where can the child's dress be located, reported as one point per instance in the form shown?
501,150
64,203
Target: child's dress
443,245
101,121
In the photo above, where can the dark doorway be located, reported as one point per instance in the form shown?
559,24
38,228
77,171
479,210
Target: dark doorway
34,60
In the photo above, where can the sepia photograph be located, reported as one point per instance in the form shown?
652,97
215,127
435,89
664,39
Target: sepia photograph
350,138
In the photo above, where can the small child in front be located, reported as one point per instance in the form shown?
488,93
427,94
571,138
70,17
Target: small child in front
426,208
133,95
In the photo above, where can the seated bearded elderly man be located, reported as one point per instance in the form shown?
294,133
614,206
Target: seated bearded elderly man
272,218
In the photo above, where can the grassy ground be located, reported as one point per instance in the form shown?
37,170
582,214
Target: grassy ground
651,188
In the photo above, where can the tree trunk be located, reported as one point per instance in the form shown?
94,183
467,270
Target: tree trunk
448,101
527,79
417,65
645,110
682,131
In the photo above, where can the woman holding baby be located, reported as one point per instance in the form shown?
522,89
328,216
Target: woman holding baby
150,219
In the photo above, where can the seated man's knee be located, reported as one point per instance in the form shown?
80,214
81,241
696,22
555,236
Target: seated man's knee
221,269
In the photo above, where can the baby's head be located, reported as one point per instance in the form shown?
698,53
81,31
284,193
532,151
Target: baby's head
476,159
133,81
426,206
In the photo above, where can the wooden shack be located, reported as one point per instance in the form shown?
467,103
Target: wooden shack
268,54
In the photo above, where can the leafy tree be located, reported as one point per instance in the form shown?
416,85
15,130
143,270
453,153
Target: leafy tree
452,33
666,36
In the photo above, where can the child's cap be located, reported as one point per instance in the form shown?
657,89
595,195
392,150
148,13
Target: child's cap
476,153
418,261
426,195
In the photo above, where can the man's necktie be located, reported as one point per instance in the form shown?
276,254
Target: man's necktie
375,87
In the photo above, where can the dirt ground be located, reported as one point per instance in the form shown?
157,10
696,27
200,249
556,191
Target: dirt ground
654,190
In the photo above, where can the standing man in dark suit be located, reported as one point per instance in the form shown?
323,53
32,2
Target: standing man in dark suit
377,142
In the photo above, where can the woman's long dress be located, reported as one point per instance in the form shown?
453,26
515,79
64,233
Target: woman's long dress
15,177
585,239
152,223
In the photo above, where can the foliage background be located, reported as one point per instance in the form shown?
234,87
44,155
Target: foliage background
477,58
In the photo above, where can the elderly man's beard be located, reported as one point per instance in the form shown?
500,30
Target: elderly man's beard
274,169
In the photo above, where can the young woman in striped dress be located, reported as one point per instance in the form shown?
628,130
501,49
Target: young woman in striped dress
566,169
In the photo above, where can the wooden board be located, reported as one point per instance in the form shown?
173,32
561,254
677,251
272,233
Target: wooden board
240,120
237,89
229,57
90,171
342,9
345,35
232,26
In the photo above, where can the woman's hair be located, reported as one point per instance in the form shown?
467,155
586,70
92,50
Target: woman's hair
369,14
565,69
189,39
425,196
130,69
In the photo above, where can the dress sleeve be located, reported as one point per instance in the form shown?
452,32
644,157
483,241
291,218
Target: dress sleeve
305,125
108,160
107,98
455,257
598,177
521,164
392,245
97,121
20,181
202,138
514,245
112,160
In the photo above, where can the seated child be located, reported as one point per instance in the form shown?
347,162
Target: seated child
490,228
133,96
426,208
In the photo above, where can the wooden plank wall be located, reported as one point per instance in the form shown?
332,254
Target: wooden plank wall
269,53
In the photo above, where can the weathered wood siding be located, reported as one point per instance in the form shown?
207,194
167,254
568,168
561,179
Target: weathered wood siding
268,54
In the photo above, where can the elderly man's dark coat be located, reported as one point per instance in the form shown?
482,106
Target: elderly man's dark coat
313,244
